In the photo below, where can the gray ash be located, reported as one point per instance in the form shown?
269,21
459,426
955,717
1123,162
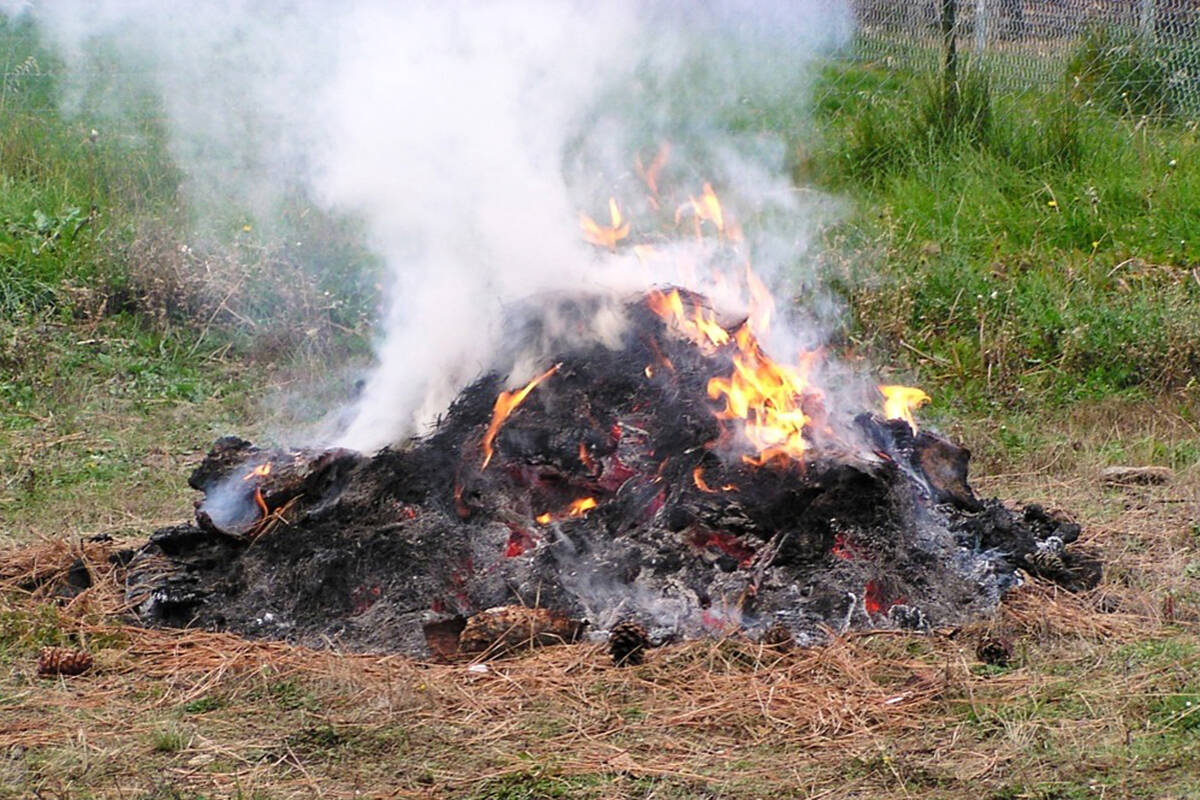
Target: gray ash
396,551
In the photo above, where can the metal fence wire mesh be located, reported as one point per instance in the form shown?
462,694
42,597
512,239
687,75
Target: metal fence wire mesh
1146,50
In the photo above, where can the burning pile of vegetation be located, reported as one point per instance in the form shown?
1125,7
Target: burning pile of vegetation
671,481
683,479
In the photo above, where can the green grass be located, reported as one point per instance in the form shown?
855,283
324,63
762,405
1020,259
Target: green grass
1038,250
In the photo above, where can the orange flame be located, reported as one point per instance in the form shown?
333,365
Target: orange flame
698,479
261,471
768,398
899,402
585,458
702,326
649,174
581,506
605,235
705,207
506,403
709,207
762,304
543,519
260,502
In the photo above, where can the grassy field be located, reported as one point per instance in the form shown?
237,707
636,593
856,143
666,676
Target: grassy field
1033,264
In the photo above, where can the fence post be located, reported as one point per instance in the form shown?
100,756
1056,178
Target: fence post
950,74
1146,19
981,25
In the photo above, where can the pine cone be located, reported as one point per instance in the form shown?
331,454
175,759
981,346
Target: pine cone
1047,557
627,643
778,637
994,650
63,661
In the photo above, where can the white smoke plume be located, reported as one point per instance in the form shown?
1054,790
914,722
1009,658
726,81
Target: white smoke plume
467,136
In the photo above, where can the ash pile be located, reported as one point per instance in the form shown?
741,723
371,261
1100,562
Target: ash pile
677,477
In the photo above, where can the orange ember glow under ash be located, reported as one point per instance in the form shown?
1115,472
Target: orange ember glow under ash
506,403
899,402
605,235
577,508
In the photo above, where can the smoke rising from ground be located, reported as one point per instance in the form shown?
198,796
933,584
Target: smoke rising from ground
468,136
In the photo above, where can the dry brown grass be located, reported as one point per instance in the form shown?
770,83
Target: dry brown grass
1093,705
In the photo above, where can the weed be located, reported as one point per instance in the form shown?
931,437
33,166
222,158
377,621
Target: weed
290,696
536,786
203,705
1178,711
322,739
168,739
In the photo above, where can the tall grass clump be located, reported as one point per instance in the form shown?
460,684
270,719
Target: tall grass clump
1032,247
1125,73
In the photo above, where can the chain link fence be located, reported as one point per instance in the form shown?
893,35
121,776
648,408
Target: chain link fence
1145,50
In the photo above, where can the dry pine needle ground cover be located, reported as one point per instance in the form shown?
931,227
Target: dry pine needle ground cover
1100,699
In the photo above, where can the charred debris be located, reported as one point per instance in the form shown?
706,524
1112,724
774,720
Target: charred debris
614,487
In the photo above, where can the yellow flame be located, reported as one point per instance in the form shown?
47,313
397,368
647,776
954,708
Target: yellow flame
261,471
899,402
701,325
767,397
543,519
709,207
506,403
649,174
706,207
605,235
581,506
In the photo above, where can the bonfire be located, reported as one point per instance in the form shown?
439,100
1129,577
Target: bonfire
679,482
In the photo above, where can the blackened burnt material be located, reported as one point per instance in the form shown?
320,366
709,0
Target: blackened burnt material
614,491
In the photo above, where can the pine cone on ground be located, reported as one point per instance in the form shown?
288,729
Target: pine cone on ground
1047,558
994,650
627,643
778,637
63,661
